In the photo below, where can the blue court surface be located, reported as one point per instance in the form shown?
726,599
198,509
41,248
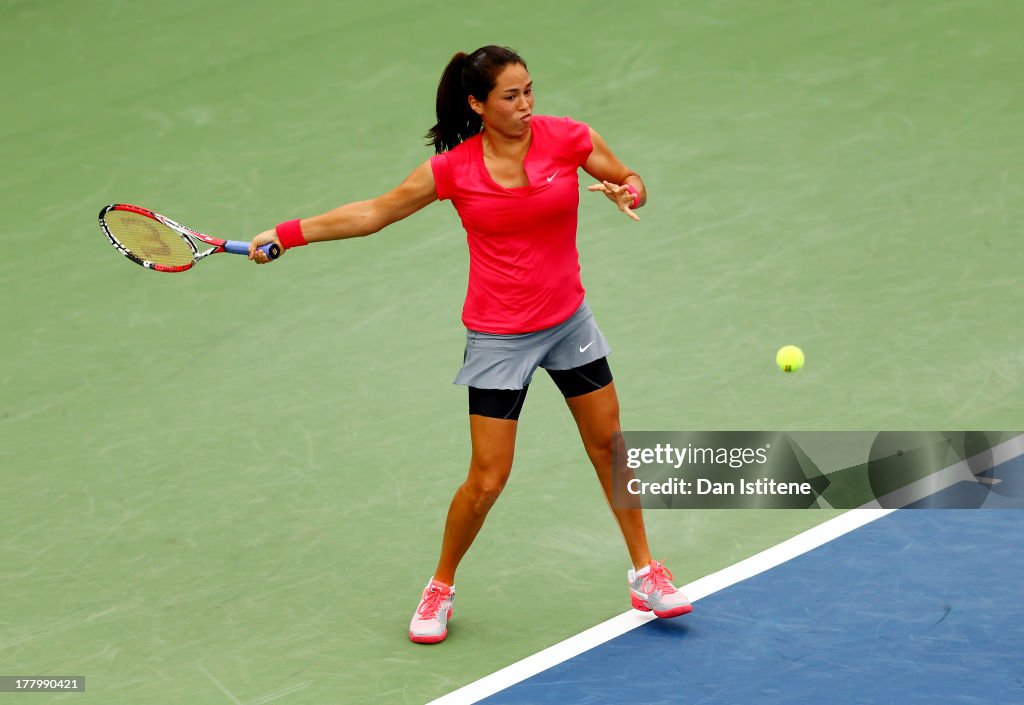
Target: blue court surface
920,606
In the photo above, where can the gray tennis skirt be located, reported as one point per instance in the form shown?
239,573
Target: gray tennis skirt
495,361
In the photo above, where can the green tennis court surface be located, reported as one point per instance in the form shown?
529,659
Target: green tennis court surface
229,485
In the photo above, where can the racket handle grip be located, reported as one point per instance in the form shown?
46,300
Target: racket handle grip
238,247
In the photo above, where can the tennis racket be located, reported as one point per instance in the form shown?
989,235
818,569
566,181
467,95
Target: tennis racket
155,242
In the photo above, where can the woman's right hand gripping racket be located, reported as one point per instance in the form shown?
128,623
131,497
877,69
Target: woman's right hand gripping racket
155,242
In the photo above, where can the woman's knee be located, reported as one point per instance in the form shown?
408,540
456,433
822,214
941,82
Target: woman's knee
487,478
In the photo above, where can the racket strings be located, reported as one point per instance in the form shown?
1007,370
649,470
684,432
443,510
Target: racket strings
149,239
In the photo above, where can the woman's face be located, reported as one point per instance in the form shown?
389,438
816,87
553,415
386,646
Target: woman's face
509,105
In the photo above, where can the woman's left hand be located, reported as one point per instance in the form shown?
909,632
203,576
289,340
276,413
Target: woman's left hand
619,195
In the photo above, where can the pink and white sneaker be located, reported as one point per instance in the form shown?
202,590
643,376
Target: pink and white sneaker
652,590
430,623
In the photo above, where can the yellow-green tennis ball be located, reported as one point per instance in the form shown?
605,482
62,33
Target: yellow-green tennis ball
789,358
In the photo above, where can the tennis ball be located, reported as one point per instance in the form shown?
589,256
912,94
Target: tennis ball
789,358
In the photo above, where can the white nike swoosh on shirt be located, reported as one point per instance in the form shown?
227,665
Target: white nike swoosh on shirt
584,347
550,178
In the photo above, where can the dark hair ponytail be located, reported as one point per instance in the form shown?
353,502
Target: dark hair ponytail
466,75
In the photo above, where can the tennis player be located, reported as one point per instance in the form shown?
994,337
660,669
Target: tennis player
512,176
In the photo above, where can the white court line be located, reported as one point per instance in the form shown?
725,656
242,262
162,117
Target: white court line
698,589
617,626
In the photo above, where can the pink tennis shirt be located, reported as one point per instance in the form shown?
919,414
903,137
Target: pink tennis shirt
524,269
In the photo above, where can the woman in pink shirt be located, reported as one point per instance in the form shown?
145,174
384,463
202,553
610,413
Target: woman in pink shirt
512,176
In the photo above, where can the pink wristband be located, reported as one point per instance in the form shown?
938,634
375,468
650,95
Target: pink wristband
290,234
636,195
